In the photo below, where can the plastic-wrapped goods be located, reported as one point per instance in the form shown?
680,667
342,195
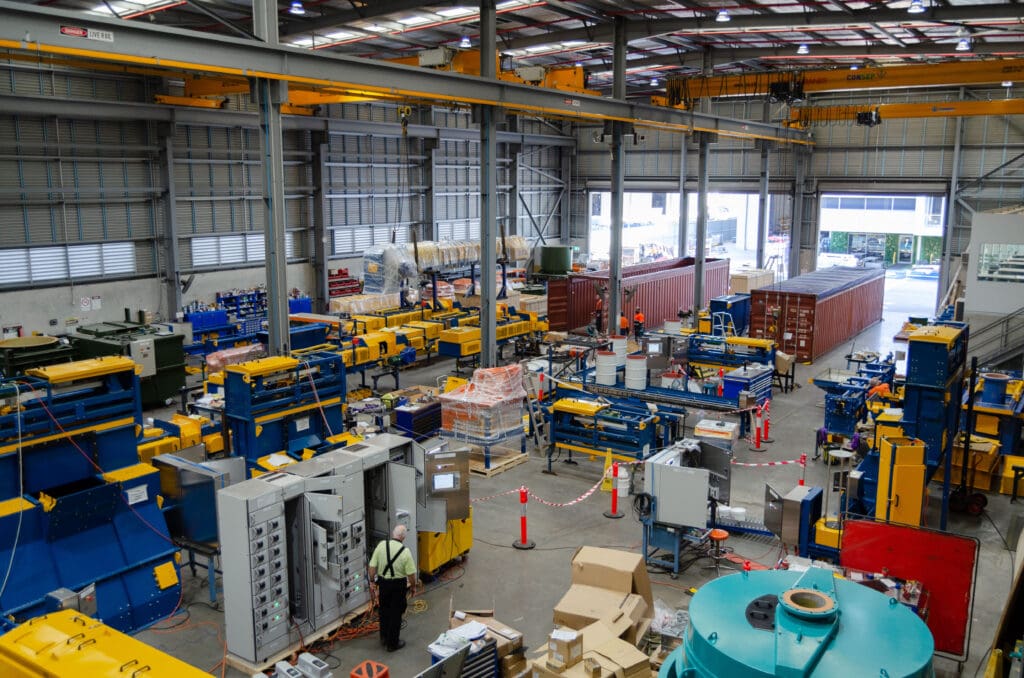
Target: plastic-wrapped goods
385,267
517,248
364,303
218,360
444,291
489,407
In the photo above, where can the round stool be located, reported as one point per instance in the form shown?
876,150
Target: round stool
369,669
717,537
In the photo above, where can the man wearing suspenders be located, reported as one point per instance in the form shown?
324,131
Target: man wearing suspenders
392,574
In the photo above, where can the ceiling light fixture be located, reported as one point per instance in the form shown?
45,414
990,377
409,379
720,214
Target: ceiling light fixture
578,64
854,67
465,42
654,82
1007,83
722,16
803,49
297,8
916,7
963,45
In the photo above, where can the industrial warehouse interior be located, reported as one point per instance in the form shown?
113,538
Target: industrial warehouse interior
532,338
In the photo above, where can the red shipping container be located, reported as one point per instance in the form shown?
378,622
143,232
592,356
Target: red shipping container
659,288
810,315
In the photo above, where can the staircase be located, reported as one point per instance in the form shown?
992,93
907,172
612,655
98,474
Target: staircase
1000,343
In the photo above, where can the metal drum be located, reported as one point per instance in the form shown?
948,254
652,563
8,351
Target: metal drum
672,380
993,388
605,374
636,372
620,348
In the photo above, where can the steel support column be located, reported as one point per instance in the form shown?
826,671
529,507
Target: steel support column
322,245
703,150
429,230
171,257
488,193
684,200
618,179
797,220
762,197
952,199
515,156
565,215
270,94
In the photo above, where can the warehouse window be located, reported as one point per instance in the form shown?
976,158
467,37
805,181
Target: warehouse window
45,264
235,249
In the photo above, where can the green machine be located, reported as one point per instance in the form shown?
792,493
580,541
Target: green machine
18,354
160,353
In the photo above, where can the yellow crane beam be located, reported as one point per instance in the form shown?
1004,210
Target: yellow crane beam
809,115
975,72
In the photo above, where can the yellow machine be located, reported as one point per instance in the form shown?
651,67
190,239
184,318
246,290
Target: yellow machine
901,480
68,644
440,548
459,342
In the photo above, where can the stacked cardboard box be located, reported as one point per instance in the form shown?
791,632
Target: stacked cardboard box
508,640
609,603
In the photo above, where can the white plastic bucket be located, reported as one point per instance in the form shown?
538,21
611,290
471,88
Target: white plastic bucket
672,380
605,372
636,372
620,348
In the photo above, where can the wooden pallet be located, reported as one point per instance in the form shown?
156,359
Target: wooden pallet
249,669
500,462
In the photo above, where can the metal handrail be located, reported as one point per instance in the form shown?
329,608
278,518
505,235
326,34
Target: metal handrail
1000,330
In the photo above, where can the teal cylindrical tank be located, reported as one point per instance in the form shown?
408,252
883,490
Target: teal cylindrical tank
776,623
555,259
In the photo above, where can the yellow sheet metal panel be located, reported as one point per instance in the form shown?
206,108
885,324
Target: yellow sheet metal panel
264,366
436,549
432,330
900,468
766,344
825,534
14,506
578,406
82,369
127,473
166,575
460,335
936,334
68,644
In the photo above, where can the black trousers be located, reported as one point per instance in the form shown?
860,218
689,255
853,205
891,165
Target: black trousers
392,607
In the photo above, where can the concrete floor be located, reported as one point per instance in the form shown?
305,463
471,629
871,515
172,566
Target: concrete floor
523,586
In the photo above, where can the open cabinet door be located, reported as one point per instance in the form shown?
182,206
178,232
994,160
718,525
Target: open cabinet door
401,481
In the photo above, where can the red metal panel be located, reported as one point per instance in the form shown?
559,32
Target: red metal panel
661,289
945,564
558,304
808,327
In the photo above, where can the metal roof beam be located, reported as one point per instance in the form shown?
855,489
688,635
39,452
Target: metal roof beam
293,28
141,44
110,110
724,56
640,29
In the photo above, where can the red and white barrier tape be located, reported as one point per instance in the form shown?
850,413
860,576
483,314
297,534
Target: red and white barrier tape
495,496
578,500
767,463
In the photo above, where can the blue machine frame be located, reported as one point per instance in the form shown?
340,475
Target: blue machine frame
292,405
87,512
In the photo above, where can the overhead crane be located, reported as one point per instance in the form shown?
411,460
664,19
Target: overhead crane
873,114
794,85
33,31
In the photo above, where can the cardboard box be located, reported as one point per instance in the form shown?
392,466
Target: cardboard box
784,362
512,665
612,569
507,639
565,648
614,659
582,605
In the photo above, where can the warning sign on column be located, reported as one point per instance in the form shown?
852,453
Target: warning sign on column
87,33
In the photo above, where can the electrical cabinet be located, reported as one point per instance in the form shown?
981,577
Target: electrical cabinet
901,480
293,551
252,528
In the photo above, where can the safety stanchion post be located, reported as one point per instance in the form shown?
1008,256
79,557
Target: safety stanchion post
614,512
756,415
523,543
767,422
803,468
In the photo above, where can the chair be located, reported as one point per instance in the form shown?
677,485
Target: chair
717,537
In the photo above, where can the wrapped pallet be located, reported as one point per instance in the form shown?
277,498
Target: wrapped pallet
490,406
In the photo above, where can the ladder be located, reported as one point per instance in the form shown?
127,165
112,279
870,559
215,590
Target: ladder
538,424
